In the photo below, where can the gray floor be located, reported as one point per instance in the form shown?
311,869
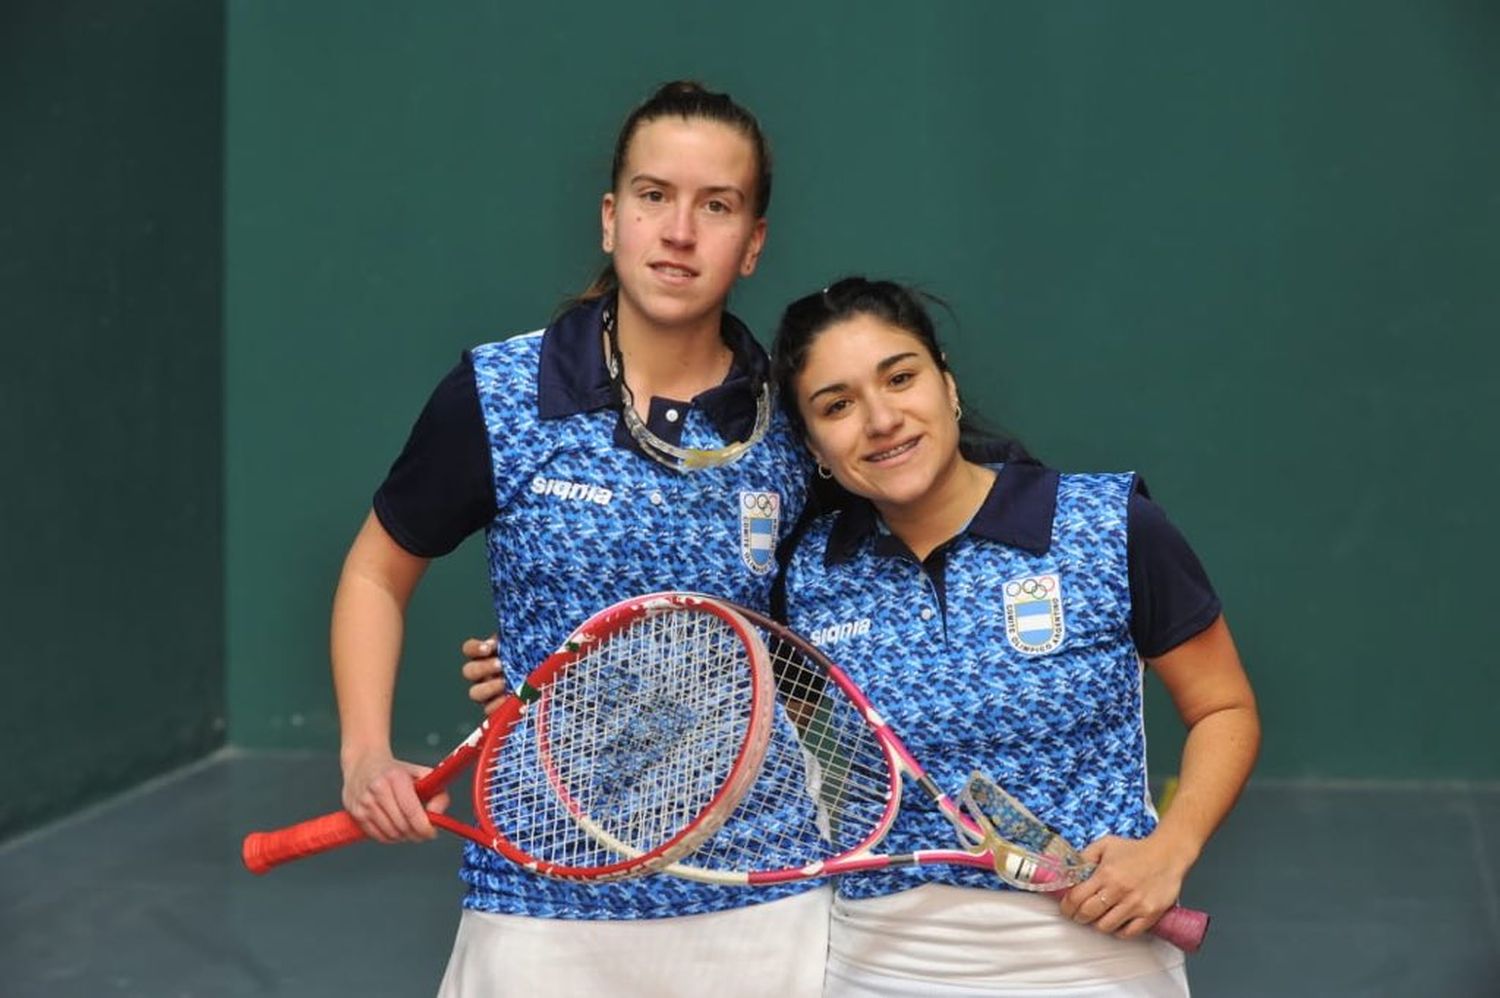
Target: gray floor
1316,890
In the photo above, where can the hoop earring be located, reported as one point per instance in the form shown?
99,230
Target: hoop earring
824,472
958,413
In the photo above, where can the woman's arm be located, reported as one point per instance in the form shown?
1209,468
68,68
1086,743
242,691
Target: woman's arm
1138,880
369,612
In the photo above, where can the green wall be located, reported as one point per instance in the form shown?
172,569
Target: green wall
1248,250
111,574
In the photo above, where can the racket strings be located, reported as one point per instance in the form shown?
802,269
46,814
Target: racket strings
825,786
627,745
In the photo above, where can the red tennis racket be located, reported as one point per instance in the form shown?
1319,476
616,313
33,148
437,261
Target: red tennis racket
831,785
620,753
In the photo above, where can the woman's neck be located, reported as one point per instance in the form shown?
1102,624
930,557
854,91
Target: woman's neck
670,361
943,511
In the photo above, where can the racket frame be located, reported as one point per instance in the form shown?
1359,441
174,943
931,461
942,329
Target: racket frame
980,846
532,697
262,851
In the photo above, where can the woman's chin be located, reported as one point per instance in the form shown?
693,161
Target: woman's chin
900,492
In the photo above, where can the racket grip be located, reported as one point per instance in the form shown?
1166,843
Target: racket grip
263,850
1182,927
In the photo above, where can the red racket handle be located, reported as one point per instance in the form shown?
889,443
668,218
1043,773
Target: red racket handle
263,850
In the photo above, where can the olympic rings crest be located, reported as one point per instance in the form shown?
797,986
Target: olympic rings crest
761,503
760,521
1034,620
1040,587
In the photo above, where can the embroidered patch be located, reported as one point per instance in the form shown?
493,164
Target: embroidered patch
760,515
1034,613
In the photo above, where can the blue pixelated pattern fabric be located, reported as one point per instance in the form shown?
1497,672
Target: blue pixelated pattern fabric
584,523
1031,676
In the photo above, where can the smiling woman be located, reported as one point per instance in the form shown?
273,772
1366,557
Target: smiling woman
1004,612
882,418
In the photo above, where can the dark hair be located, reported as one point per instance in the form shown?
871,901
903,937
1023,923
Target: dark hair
689,100
806,318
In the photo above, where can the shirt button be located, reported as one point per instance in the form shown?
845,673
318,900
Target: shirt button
926,613
671,415
656,499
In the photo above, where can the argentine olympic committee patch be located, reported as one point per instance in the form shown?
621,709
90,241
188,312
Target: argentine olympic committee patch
1034,613
760,515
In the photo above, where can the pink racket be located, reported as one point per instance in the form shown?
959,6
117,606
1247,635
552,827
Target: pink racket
831,785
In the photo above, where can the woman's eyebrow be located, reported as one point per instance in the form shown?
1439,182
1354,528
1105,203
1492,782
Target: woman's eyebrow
893,360
715,189
880,368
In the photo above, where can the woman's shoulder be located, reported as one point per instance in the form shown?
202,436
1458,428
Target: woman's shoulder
506,365
1105,492
509,348
1100,481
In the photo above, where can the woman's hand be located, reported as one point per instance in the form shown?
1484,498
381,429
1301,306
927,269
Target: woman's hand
1135,882
379,793
483,673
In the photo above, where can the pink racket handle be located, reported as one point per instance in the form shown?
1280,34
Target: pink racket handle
1182,927
263,850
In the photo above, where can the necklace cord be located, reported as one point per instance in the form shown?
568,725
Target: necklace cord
653,446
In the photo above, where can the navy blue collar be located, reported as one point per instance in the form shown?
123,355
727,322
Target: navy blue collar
572,377
1018,511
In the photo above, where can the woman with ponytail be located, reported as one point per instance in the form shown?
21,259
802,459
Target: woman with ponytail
607,455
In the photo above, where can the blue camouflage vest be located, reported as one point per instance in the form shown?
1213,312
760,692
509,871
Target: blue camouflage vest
1030,675
584,523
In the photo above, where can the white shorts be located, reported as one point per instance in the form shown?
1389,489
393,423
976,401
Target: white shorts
939,941
776,949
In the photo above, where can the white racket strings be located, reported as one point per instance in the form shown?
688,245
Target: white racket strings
626,747
825,787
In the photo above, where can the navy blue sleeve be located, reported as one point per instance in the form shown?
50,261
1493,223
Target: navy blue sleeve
440,491
1170,595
